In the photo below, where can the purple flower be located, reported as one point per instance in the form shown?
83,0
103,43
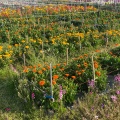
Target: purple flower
102,105
92,108
114,98
118,92
117,78
91,83
33,95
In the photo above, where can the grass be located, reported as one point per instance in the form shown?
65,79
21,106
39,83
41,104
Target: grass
8,96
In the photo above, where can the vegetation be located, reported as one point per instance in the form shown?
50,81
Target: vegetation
55,62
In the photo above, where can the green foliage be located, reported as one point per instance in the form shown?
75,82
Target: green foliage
28,41
110,62
82,69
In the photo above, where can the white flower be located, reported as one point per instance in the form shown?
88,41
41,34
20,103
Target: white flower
96,117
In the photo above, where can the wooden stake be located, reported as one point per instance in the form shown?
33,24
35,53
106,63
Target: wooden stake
9,37
38,21
42,46
43,50
27,38
24,59
93,67
106,41
51,86
67,56
80,43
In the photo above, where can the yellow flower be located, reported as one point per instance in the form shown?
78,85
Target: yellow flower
9,46
65,43
26,47
0,56
34,41
23,41
10,61
1,48
41,51
11,51
16,45
7,55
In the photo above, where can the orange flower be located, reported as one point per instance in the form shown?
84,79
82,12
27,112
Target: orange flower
29,66
34,66
43,69
85,55
41,83
75,58
25,70
39,65
116,44
55,77
97,73
73,77
81,56
58,64
78,65
66,75
64,63
79,73
34,70
53,82
61,69
48,67
111,53
82,71
97,50
95,66
85,64
40,72
54,66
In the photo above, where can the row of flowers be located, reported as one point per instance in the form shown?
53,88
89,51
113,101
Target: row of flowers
48,9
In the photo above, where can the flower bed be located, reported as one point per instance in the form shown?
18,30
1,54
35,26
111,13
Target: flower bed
26,42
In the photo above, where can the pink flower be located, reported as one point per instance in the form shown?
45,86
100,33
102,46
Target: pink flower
91,83
33,95
117,78
114,98
7,109
61,93
118,92
90,92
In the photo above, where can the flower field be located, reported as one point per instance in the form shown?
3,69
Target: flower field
55,53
